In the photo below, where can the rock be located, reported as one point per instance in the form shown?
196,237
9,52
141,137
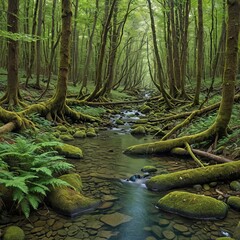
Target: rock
193,205
225,238
150,238
206,187
69,151
149,169
119,122
106,205
62,128
140,130
213,184
163,222
168,234
157,230
145,109
198,187
234,202
107,234
66,137
180,228
115,219
68,201
13,233
91,132
133,178
235,185
79,134
109,198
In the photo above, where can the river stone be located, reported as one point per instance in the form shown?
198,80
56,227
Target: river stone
140,130
37,229
193,205
62,232
157,230
180,228
57,225
106,234
95,225
150,238
106,205
234,202
115,219
79,134
73,230
197,187
163,222
168,234
206,187
109,198
91,132
61,128
69,151
40,223
13,233
66,137
149,169
50,222
225,238
235,185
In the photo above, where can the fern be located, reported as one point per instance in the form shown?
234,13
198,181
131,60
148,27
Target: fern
31,167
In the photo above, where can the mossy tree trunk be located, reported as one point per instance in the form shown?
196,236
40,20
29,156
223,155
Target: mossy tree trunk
11,96
228,92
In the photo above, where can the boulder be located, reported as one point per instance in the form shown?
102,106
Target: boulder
91,132
69,151
79,134
234,202
66,137
193,205
119,122
69,201
13,233
140,130
62,128
145,109
235,185
149,169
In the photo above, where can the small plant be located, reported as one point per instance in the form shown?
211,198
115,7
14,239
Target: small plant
28,169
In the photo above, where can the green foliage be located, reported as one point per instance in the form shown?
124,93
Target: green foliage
40,121
28,169
92,111
18,36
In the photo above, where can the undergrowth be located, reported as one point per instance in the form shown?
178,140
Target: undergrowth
29,169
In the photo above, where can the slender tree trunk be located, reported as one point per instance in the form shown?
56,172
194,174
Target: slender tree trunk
12,92
199,53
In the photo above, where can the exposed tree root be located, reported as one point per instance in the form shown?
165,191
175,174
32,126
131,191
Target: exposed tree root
188,147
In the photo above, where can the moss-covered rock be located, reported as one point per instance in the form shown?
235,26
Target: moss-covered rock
142,121
80,134
234,202
69,151
140,130
68,201
13,233
62,128
145,109
119,122
149,169
91,132
225,238
73,179
235,185
66,137
193,205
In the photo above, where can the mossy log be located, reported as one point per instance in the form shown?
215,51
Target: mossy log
214,173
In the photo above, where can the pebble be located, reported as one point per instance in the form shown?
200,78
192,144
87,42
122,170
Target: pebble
157,230
163,222
180,228
168,234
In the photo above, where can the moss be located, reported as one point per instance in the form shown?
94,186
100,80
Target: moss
235,185
145,109
193,205
142,121
80,134
149,169
68,201
66,137
190,177
91,132
70,151
140,130
224,238
119,122
62,128
73,179
14,233
234,202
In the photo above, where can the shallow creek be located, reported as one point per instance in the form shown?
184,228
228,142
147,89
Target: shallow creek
129,208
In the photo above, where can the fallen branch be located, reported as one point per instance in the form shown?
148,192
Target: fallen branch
182,151
189,150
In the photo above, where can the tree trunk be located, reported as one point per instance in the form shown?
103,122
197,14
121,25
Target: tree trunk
12,92
199,54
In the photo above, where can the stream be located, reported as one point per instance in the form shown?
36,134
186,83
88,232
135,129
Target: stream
128,211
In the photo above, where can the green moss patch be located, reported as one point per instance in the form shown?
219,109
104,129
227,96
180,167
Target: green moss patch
193,205
234,202
14,233
69,151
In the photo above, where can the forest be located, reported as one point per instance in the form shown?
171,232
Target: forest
119,119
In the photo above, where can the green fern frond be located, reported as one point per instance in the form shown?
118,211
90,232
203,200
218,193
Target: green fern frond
24,205
43,170
33,200
18,195
60,166
39,189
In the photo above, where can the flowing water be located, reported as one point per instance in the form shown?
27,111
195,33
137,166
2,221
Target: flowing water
128,212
